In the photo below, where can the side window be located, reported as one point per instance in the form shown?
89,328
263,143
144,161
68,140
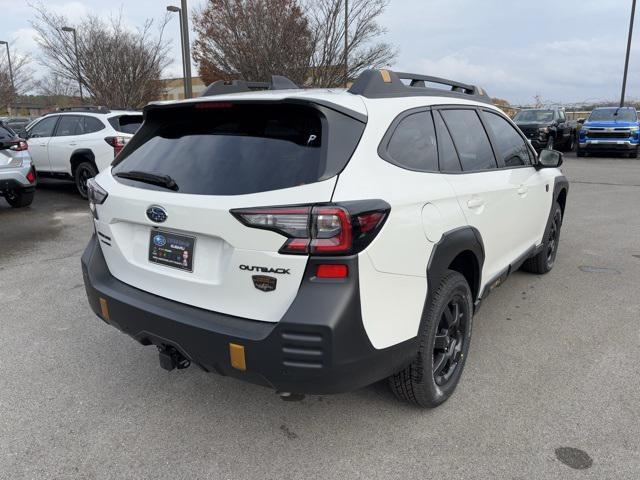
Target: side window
68,126
44,128
470,139
413,143
449,161
92,125
561,116
509,144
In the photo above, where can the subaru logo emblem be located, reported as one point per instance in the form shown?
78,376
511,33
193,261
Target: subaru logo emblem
159,240
156,214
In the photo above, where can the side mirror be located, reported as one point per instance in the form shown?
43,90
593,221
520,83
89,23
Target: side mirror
549,159
581,120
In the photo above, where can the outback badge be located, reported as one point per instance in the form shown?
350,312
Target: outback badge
264,283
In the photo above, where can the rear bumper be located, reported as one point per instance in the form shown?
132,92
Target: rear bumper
16,177
318,347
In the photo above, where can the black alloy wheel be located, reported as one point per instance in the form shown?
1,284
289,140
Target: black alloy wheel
449,341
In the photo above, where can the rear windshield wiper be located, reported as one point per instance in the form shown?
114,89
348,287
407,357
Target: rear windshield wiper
161,180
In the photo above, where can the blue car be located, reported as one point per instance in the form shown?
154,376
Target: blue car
610,130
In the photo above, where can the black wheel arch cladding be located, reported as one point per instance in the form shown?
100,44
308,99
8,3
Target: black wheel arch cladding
461,250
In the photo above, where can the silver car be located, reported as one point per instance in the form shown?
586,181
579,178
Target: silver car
17,174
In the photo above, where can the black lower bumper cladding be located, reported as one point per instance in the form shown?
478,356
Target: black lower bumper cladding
318,347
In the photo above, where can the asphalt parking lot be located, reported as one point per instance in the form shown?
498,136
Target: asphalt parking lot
553,364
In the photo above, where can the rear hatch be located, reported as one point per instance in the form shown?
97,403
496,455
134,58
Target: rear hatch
166,225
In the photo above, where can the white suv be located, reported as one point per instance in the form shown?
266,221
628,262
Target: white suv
317,241
79,142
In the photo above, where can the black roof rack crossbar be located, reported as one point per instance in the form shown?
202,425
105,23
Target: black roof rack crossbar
388,84
85,108
222,87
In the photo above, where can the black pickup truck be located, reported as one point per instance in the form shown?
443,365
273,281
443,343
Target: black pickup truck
547,128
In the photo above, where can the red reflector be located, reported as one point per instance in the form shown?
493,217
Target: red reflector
214,105
31,177
332,271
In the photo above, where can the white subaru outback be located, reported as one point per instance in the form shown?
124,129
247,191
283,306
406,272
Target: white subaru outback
318,241
78,142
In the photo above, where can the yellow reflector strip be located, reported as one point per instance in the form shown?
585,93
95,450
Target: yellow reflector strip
236,352
386,76
104,309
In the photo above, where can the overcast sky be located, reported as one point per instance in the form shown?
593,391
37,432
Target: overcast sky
563,50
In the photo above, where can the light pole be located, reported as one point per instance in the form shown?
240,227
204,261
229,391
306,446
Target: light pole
13,87
626,61
173,9
346,43
187,52
75,46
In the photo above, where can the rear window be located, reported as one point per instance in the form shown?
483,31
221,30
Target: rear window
126,123
236,149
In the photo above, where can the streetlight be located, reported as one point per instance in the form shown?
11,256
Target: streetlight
177,10
186,53
75,44
13,87
346,43
626,61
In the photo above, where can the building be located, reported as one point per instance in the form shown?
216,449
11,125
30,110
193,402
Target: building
173,88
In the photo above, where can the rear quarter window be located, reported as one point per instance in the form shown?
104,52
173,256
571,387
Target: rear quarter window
236,149
126,123
412,145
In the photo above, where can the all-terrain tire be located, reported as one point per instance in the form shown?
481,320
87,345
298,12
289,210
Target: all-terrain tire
417,383
543,262
84,172
19,198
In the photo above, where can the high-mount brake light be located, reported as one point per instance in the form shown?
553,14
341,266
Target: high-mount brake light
213,105
317,230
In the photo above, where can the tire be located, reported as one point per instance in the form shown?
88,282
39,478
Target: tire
581,153
551,142
18,198
543,262
634,154
432,376
84,172
571,143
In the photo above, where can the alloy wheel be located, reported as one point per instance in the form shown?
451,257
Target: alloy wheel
449,341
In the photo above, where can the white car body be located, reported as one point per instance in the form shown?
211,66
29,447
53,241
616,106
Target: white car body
57,150
509,207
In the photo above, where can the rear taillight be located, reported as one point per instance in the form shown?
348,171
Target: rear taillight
339,229
31,176
19,146
96,196
117,143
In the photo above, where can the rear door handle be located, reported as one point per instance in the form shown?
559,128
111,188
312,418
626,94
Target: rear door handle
475,203
522,190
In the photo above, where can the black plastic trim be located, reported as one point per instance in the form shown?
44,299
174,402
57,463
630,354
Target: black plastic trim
319,346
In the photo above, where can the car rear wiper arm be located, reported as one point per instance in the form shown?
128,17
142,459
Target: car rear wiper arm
161,180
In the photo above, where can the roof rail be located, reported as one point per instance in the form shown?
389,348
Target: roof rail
85,108
222,87
387,84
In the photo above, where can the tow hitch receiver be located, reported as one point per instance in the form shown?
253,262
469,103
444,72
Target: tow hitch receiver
171,358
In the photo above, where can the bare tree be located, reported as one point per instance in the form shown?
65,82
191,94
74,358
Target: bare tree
326,19
118,67
251,39
21,76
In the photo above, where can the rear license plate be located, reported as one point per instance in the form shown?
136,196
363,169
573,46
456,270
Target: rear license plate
172,250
